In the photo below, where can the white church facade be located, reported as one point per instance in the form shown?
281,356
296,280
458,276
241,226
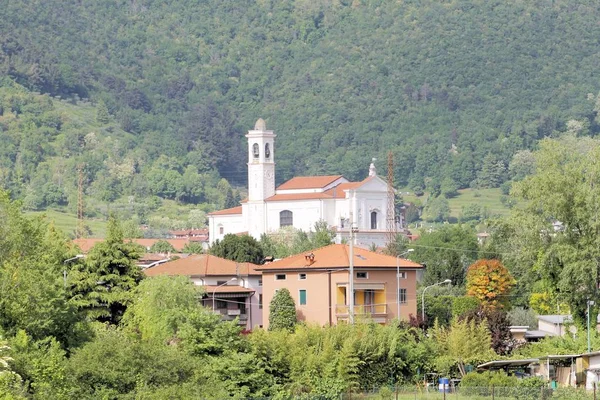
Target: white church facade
303,201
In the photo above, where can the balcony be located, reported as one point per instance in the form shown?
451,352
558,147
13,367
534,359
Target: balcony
341,310
229,314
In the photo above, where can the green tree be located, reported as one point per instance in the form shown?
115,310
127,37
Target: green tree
282,311
103,286
240,248
436,210
566,188
446,252
102,115
161,306
193,248
31,277
162,246
322,236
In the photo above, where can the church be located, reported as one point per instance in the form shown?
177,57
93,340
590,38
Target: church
303,201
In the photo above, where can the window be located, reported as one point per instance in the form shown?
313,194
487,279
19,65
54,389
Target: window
362,275
280,277
260,282
260,301
286,218
242,306
402,275
221,283
373,219
267,151
402,296
220,304
302,276
255,150
221,230
302,297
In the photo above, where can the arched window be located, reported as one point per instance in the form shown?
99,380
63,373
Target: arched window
267,151
255,150
373,219
286,218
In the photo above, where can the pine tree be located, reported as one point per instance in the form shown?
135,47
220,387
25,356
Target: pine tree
282,311
102,115
103,285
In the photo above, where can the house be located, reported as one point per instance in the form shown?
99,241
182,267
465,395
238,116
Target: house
556,325
192,235
231,289
303,201
85,244
318,281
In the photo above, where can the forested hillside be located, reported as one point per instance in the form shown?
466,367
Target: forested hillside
453,88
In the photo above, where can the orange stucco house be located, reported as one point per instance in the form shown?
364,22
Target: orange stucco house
318,281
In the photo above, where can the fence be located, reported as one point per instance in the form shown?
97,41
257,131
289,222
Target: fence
475,393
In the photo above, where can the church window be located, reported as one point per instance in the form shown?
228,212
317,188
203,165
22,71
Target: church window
255,150
286,218
267,151
373,219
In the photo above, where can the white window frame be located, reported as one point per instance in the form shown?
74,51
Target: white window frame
302,277
402,275
400,299
277,277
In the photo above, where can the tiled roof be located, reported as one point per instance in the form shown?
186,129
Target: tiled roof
308,182
338,191
203,265
228,211
86,244
298,196
337,256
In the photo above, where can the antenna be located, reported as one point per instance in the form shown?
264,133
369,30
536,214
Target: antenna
80,231
391,206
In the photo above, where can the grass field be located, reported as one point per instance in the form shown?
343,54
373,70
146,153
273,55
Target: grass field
68,222
489,198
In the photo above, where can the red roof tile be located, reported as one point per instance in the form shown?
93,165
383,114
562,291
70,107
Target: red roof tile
86,244
309,182
338,191
228,211
203,265
336,256
298,196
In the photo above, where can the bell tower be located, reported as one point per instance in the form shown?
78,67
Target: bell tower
261,175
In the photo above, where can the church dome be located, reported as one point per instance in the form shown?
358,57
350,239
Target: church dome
260,125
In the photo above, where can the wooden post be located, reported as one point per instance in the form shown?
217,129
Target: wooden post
396,390
444,389
493,394
594,390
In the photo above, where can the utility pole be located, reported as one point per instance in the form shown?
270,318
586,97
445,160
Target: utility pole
391,204
79,232
351,272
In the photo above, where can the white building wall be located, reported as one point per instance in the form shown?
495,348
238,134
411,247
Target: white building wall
306,213
233,223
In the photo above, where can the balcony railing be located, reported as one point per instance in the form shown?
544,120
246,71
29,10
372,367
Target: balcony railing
366,309
229,314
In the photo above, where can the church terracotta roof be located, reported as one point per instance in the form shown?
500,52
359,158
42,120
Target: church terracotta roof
308,182
228,211
338,191
203,265
336,256
299,196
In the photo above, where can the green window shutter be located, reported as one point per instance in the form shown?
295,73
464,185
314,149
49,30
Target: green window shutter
302,297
